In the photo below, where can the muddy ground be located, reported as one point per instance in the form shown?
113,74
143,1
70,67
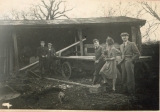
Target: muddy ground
43,94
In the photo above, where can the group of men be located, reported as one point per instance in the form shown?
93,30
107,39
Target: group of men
46,55
129,53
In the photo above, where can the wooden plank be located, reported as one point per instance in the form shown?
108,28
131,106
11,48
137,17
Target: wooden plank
81,42
15,51
74,83
88,58
60,51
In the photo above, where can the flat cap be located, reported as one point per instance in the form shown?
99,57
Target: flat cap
94,40
124,34
42,42
49,43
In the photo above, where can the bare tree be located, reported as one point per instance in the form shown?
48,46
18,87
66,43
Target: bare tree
136,10
153,24
45,10
49,11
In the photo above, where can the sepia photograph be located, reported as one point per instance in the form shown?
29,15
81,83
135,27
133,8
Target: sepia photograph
79,55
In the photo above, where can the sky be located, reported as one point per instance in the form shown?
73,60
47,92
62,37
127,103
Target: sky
81,8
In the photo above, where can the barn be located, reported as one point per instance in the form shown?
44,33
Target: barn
19,39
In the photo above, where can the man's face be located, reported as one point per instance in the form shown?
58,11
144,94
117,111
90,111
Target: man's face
49,46
125,38
96,43
42,44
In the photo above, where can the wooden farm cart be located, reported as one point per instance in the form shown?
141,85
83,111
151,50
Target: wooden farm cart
70,64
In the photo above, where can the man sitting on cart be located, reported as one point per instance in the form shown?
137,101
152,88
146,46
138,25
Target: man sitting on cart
99,62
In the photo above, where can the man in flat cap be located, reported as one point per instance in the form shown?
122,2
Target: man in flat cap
51,56
99,62
130,53
42,53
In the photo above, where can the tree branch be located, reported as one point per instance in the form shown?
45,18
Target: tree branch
61,16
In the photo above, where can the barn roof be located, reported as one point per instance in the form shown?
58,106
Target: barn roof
74,21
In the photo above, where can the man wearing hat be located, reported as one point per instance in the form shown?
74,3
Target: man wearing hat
99,62
51,55
129,53
42,53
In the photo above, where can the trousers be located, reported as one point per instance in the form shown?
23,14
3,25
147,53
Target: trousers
128,81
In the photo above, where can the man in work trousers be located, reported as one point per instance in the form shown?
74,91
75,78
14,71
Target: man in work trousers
99,62
42,53
130,53
51,56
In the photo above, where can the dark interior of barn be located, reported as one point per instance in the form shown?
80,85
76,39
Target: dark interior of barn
28,39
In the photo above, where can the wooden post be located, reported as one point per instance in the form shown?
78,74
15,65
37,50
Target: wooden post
11,58
5,58
133,30
81,42
76,46
139,39
15,52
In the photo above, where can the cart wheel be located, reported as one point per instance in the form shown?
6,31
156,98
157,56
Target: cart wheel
58,69
142,69
66,70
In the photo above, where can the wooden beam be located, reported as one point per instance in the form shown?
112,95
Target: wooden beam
81,42
15,51
74,83
60,51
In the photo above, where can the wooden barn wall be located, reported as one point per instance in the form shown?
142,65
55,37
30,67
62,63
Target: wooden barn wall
6,52
29,40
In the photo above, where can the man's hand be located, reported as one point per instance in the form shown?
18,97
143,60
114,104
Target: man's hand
97,61
106,59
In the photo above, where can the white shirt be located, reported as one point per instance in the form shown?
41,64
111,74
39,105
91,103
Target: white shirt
125,43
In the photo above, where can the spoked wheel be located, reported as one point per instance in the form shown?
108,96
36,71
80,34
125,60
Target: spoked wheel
66,70
58,69
141,70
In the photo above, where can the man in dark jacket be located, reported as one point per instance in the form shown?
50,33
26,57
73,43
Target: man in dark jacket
42,53
99,62
51,56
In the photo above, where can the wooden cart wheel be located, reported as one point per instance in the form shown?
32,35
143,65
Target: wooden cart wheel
141,70
66,70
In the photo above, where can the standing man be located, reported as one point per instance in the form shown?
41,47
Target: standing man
51,56
42,53
130,53
99,62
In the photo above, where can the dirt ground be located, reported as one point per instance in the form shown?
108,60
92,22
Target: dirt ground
43,94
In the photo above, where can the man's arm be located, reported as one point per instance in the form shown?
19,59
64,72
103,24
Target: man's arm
102,56
136,52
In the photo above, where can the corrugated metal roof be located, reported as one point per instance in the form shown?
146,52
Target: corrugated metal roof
73,21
